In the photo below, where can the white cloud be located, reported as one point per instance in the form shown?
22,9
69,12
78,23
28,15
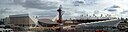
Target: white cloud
46,5
49,7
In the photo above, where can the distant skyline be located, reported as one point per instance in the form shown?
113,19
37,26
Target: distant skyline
72,8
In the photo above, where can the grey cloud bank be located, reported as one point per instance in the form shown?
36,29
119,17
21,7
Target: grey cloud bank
72,8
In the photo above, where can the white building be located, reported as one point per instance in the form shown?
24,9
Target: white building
108,25
22,20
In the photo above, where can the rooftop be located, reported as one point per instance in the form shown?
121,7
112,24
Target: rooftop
47,21
19,15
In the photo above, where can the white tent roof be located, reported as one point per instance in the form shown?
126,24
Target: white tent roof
113,23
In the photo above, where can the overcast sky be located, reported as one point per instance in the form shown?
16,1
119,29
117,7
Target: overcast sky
72,8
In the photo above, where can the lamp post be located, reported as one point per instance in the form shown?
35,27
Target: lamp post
60,19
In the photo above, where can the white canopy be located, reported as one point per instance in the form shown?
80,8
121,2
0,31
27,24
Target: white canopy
113,23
